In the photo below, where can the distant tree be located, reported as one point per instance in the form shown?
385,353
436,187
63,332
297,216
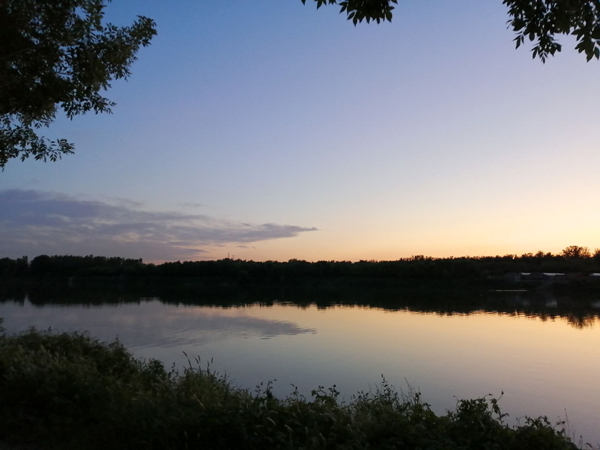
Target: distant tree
576,252
534,20
58,54
41,265
14,267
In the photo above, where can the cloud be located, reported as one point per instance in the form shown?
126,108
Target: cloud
34,222
192,205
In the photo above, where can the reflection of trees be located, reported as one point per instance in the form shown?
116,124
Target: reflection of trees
583,321
577,311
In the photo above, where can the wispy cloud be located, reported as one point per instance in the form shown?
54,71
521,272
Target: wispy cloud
34,222
192,205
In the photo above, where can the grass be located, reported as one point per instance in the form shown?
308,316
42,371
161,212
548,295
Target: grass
70,391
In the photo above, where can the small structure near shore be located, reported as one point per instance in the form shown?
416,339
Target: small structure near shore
549,276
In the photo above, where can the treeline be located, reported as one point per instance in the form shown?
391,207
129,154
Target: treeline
67,266
572,260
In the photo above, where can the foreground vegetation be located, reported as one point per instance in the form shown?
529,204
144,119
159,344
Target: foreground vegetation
72,391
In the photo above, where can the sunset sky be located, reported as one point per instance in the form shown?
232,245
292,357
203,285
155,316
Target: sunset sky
266,129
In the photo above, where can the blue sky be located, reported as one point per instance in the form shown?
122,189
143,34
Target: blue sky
289,133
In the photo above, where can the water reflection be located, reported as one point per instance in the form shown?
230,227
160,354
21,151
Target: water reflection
157,325
580,312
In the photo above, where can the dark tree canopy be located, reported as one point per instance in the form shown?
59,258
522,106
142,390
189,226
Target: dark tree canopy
58,54
539,21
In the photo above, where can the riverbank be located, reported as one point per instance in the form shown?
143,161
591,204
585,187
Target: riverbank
71,391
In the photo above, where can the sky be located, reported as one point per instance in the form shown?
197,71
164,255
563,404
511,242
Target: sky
268,130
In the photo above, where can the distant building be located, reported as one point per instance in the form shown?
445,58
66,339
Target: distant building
541,276
549,276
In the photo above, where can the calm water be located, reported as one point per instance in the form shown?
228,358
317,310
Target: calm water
545,360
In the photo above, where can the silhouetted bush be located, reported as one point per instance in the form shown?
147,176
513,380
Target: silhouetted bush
70,391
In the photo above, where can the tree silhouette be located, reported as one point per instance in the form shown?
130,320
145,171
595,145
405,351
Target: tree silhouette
539,21
58,55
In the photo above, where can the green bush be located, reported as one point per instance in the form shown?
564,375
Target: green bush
70,391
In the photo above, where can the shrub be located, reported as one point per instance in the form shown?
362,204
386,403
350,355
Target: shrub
71,391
